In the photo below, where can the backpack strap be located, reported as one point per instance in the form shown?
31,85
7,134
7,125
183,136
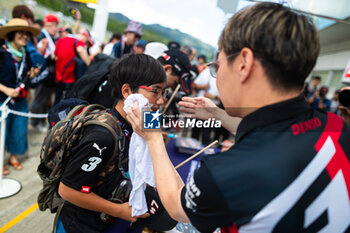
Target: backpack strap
121,155
59,209
84,110
71,60
75,48
74,111
48,143
91,107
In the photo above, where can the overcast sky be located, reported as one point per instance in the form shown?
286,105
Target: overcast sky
199,18
204,20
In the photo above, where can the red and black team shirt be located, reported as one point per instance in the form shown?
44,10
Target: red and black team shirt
289,171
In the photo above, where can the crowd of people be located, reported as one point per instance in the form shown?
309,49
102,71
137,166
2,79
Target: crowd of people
317,96
57,57
256,90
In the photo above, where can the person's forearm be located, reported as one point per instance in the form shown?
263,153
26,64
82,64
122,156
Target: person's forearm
84,55
3,88
76,26
201,87
168,182
228,122
210,96
42,46
311,99
86,59
89,201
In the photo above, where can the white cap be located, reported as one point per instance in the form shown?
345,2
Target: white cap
155,49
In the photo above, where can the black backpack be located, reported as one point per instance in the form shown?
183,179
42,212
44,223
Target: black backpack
94,75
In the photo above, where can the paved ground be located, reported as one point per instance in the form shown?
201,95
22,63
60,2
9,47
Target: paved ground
11,207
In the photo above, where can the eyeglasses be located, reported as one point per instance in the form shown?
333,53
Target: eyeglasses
215,65
158,92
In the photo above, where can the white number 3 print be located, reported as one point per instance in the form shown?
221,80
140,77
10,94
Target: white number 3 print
94,161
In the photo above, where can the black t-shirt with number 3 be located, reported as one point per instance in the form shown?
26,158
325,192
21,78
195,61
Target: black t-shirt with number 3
88,160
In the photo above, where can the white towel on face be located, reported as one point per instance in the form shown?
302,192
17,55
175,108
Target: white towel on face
140,162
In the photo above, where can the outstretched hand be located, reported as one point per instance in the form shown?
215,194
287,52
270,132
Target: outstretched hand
198,107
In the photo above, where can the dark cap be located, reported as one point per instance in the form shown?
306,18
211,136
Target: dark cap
141,43
202,56
173,45
344,97
159,219
65,29
178,60
181,66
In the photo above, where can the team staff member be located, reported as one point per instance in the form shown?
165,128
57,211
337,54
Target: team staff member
289,169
